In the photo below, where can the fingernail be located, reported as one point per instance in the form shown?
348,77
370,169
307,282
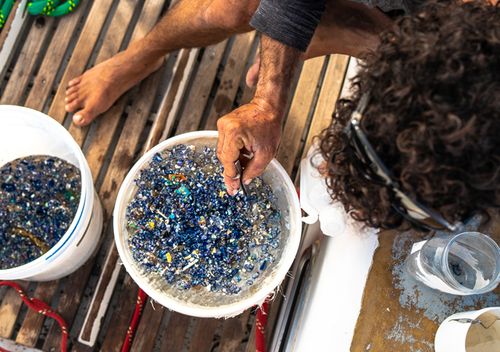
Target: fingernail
77,118
247,182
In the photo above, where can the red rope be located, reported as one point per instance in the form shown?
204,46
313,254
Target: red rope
139,305
42,308
260,327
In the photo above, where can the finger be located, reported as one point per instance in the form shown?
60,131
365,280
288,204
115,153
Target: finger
245,156
220,144
256,166
231,179
230,153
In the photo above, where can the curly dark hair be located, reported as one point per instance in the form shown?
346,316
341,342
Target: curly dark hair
433,116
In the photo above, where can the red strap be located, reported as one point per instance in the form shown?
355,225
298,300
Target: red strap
260,327
42,308
139,305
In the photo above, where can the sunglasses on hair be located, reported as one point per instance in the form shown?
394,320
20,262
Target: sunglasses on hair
374,170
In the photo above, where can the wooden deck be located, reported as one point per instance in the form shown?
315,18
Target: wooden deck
190,92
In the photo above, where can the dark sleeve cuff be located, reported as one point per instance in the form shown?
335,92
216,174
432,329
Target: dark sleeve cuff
291,22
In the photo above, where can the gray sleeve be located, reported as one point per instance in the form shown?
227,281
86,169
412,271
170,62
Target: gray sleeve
291,22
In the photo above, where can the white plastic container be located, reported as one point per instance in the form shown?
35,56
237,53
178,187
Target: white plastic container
287,202
474,331
25,132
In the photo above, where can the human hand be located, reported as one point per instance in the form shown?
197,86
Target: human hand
255,127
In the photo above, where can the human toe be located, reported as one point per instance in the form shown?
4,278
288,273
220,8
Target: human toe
72,89
71,97
73,105
83,117
74,82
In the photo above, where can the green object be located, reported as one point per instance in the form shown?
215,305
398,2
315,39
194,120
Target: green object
53,8
5,9
42,7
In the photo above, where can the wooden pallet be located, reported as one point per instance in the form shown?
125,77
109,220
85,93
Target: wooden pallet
190,92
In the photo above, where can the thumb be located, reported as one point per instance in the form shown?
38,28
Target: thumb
256,166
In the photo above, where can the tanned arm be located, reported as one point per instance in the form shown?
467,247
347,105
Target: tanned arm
256,126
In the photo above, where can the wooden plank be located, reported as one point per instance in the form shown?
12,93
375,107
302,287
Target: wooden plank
231,77
7,26
100,301
121,316
26,61
170,104
120,163
175,334
200,91
203,334
148,327
99,146
174,109
10,35
81,54
250,347
299,111
53,59
11,304
233,333
330,91
67,306
12,346
32,323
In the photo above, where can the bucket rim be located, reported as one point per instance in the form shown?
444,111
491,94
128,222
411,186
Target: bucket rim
227,310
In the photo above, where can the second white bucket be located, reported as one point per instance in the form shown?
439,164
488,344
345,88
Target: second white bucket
25,132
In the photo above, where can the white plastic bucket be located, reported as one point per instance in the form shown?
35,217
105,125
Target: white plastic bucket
456,334
288,203
25,132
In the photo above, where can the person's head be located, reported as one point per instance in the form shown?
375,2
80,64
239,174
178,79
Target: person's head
433,117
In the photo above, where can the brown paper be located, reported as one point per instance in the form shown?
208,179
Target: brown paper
484,337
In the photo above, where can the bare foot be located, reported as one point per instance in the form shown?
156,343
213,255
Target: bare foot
96,90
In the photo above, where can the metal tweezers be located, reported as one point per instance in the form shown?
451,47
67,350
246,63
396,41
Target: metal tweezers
239,170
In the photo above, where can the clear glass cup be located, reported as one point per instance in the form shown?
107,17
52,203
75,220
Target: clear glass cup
466,263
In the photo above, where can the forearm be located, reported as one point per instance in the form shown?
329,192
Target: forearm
277,67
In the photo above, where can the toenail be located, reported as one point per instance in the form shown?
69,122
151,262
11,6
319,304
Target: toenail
78,118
